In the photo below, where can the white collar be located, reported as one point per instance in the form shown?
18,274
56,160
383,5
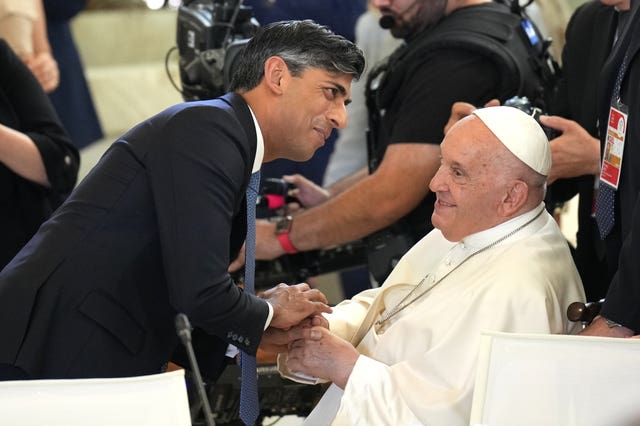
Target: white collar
257,161
482,238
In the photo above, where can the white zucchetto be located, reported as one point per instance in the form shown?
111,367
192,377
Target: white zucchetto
520,133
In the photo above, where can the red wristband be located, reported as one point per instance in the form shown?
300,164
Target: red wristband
286,244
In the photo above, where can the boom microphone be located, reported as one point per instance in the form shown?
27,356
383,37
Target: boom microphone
389,21
183,328
386,22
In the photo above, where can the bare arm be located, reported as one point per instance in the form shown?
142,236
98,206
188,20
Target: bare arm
20,154
348,181
376,201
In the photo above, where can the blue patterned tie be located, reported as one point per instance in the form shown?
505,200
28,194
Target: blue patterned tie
605,202
249,404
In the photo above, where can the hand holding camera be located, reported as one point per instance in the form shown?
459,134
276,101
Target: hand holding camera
574,152
524,105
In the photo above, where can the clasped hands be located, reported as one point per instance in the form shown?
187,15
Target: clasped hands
311,348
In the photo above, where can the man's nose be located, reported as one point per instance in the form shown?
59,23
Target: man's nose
338,116
437,182
380,3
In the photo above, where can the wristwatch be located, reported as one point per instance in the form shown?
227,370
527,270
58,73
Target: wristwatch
283,227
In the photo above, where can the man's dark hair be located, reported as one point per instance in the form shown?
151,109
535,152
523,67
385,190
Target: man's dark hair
302,45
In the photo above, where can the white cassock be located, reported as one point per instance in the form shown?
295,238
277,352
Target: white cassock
420,368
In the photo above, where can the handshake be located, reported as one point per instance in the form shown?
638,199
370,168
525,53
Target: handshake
292,306
307,351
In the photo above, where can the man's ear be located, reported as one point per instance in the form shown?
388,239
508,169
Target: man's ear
515,197
275,74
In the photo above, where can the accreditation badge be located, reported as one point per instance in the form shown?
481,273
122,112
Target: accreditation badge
614,145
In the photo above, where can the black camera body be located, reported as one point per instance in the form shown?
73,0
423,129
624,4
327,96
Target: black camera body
210,34
523,104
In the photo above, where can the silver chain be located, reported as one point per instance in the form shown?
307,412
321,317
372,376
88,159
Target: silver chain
400,306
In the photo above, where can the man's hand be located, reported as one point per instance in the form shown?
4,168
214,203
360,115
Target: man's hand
292,304
277,340
460,110
322,354
574,153
599,327
308,193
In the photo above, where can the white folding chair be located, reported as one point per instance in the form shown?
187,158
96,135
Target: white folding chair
547,380
155,400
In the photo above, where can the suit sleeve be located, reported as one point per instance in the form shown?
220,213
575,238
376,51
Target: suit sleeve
198,180
621,303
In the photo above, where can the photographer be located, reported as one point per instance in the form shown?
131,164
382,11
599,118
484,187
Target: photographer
409,99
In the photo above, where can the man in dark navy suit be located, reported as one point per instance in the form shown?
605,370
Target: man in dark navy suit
152,229
620,314
590,36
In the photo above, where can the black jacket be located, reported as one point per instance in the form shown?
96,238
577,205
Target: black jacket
589,38
622,303
24,107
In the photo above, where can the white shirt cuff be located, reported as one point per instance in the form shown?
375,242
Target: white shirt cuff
269,317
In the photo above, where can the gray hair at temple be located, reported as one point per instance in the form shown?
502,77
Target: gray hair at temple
302,45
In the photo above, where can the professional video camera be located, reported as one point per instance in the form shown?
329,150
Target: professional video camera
524,105
210,34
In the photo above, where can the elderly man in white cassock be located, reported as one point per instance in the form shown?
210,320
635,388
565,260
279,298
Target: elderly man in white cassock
405,353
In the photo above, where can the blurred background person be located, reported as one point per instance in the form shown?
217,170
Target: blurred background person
38,164
350,148
22,24
72,98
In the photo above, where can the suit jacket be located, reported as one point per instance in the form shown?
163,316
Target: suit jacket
623,298
589,38
148,233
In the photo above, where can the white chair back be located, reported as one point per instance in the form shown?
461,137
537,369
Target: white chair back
547,380
155,400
